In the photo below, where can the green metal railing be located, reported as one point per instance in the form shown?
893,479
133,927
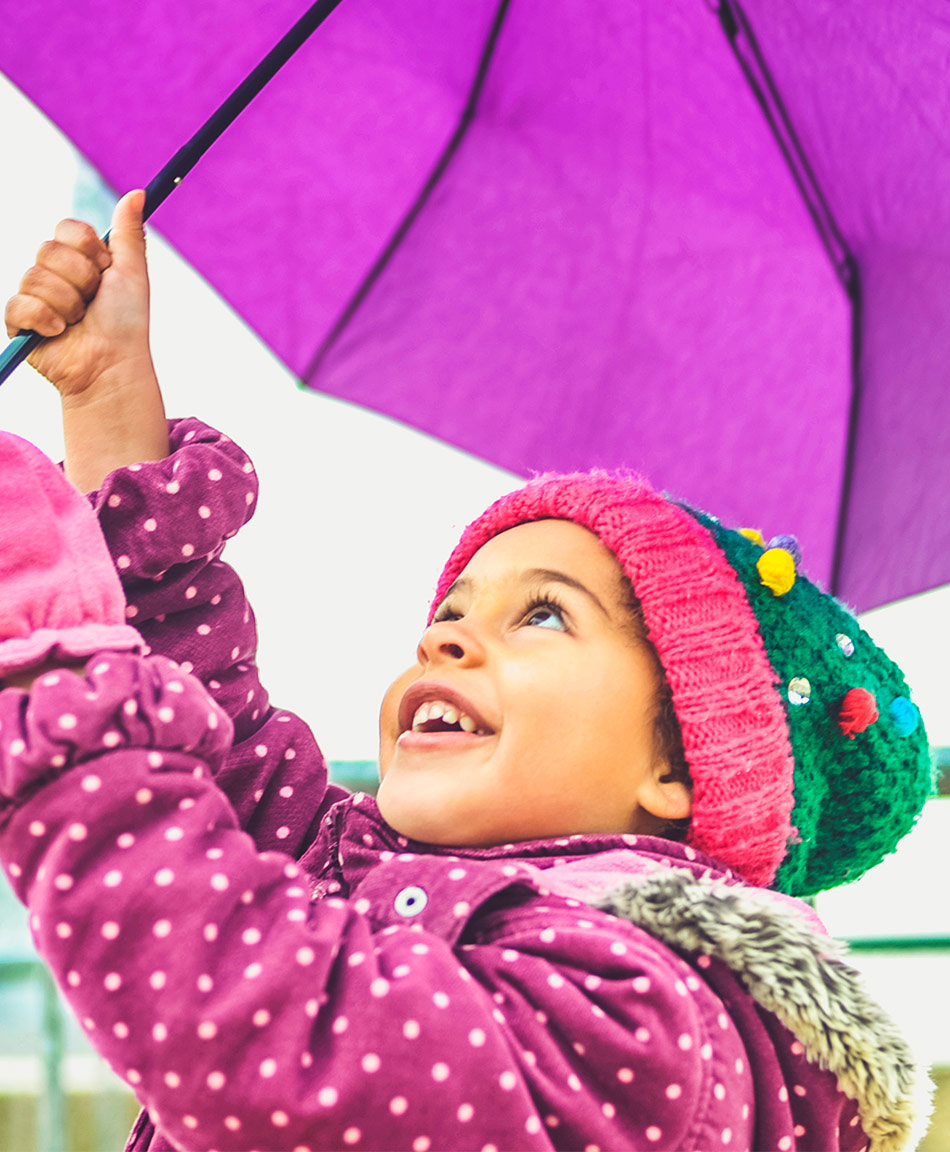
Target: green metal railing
51,1105
899,943
356,775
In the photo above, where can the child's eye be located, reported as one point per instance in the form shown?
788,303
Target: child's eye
446,614
546,615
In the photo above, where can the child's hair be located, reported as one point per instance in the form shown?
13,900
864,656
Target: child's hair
669,745
807,759
667,735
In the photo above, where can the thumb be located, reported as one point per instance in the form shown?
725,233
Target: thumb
127,234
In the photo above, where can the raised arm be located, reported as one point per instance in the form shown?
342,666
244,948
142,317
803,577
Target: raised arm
166,505
167,498
91,301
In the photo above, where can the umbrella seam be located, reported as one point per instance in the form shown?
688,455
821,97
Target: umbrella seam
438,171
751,60
847,468
738,31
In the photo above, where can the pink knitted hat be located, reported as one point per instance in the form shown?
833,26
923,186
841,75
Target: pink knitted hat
779,768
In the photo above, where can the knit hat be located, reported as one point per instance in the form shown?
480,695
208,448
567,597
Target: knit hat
808,759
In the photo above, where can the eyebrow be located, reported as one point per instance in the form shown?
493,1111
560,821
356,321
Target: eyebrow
540,575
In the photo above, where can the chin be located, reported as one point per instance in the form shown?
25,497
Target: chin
409,818
429,823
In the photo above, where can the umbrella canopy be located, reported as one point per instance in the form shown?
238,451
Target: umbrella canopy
707,242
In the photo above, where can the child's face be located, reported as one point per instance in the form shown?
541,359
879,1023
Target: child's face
544,701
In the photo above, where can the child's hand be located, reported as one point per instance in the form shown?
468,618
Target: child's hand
91,301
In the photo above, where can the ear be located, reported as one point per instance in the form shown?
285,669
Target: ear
662,796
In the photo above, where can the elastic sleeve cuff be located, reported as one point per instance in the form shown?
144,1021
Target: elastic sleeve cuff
119,701
165,512
62,644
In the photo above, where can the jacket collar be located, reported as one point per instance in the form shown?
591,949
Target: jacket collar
797,973
774,944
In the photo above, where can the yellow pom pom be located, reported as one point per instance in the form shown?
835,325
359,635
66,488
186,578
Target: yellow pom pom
777,570
754,535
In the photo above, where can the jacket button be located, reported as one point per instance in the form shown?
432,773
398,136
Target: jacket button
410,901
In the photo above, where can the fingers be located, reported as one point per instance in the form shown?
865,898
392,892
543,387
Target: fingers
69,265
55,291
127,234
28,314
82,237
46,303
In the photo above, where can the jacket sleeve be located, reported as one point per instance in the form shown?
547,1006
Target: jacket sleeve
244,1014
166,523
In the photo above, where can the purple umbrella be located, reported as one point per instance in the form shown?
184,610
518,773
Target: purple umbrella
703,241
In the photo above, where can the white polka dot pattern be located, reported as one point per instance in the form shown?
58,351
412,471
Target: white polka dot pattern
255,1005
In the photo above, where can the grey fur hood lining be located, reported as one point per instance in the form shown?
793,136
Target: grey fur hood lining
793,971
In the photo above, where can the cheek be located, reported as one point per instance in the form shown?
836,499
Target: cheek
545,724
609,705
389,716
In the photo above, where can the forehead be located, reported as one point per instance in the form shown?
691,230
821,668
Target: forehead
558,545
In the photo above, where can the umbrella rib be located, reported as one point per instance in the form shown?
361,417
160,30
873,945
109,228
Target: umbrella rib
851,445
752,62
422,197
160,187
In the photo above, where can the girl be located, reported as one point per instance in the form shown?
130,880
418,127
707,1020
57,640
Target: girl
629,738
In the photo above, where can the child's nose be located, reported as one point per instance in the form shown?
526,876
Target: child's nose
453,641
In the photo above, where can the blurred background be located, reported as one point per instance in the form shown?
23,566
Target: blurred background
356,516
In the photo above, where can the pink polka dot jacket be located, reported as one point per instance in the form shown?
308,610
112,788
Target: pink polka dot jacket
270,966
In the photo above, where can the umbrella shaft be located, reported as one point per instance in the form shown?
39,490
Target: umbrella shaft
167,180
190,153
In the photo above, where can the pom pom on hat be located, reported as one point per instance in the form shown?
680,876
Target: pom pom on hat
798,781
905,715
754,535
776,568
790,544
858,712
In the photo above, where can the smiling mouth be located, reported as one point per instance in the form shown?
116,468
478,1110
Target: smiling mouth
433,713
441,716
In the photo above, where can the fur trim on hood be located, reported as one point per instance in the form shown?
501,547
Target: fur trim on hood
799,975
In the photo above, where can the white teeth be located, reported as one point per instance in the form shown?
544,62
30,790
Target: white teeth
440,710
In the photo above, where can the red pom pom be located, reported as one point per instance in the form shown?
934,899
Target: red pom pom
858,712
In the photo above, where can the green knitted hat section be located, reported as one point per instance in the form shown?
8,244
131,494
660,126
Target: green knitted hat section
855,795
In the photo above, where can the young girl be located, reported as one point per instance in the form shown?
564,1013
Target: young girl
629,738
